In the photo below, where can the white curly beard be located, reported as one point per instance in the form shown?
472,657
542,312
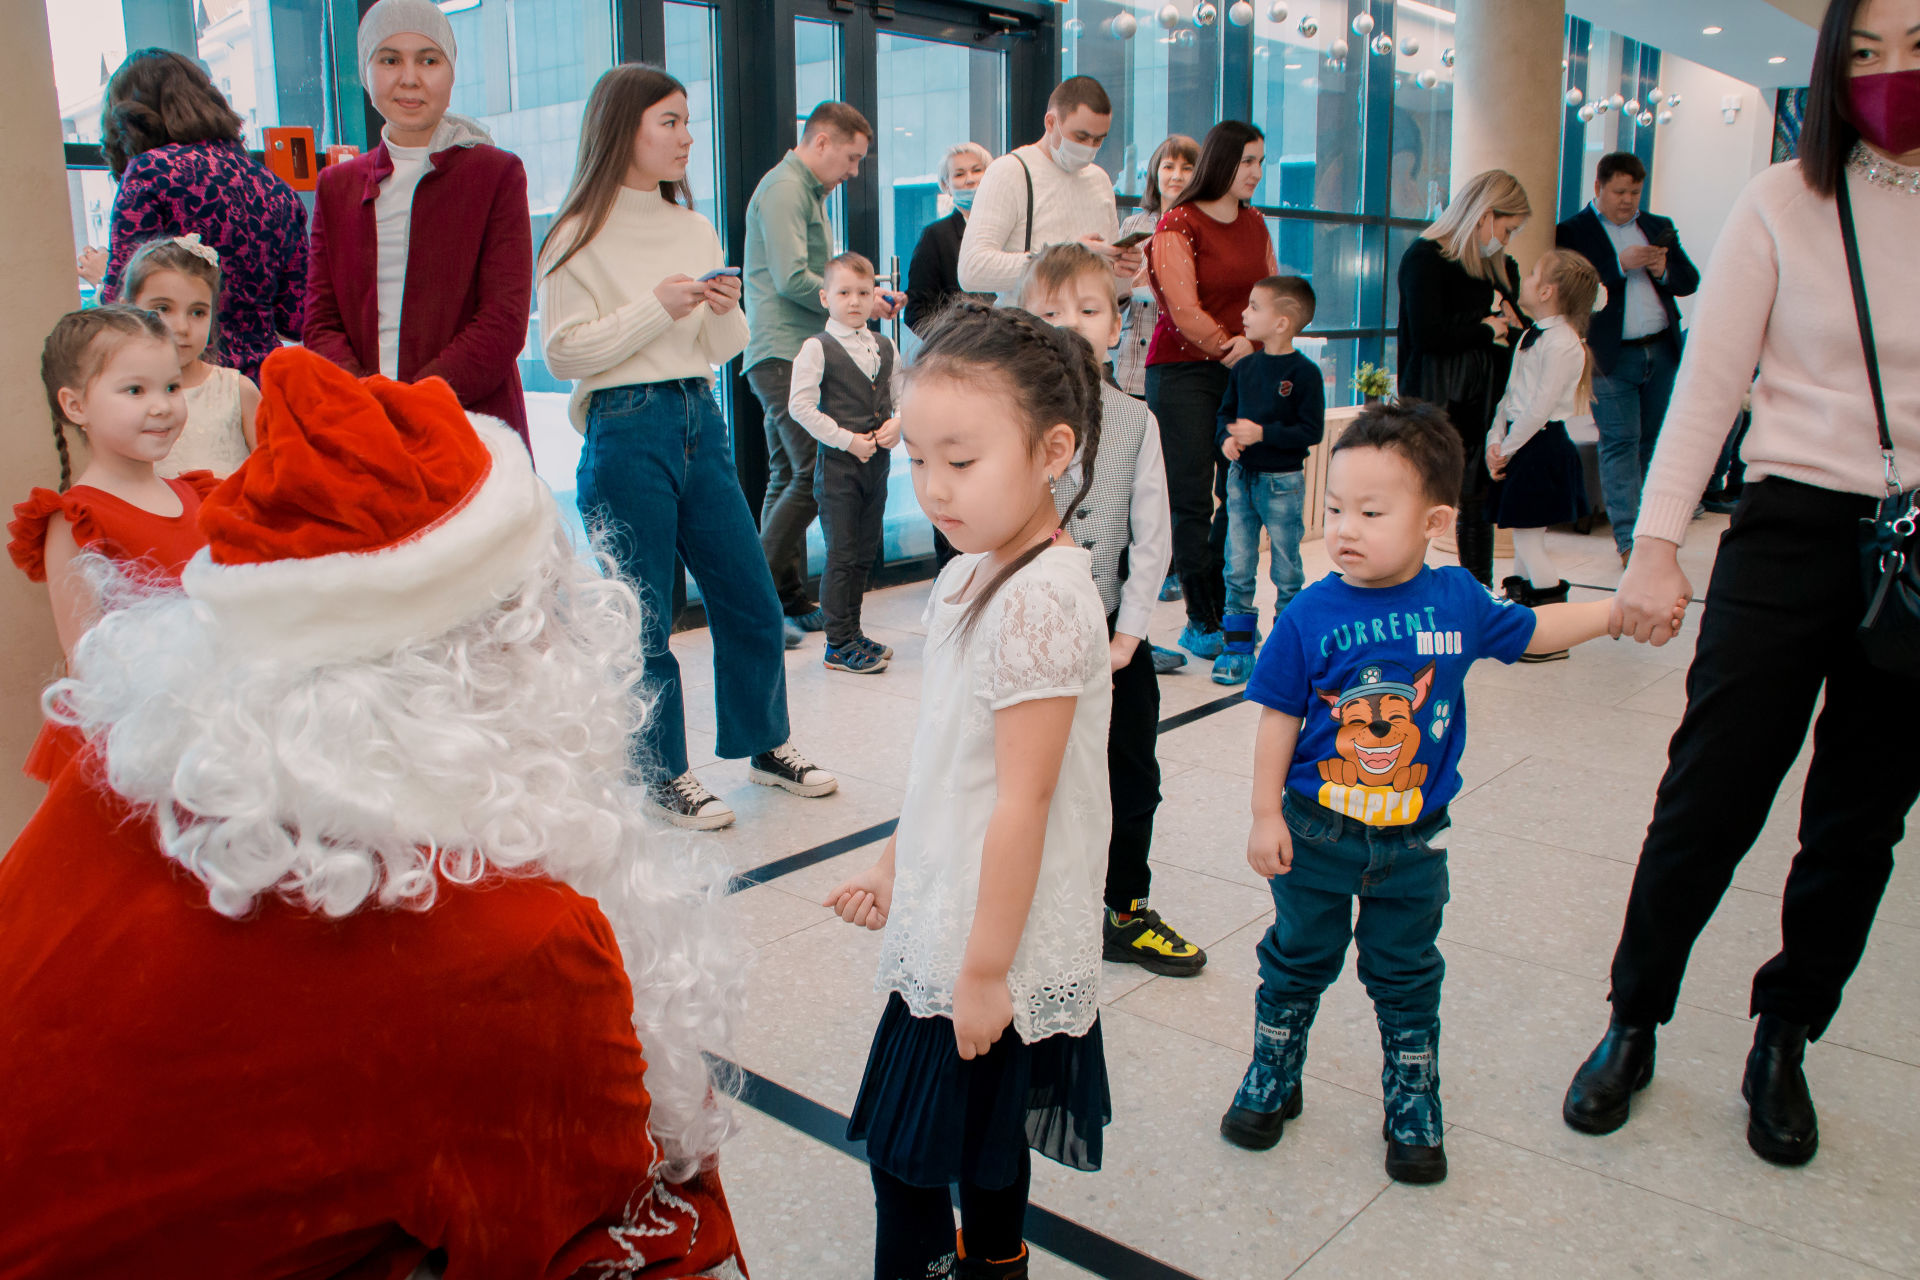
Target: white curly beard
499,747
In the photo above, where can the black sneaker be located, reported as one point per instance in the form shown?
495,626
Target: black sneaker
685,802
787,769
814,619
1146,940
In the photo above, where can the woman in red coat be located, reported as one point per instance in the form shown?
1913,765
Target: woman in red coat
452,302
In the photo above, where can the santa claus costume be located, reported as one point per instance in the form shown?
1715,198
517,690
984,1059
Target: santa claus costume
349,954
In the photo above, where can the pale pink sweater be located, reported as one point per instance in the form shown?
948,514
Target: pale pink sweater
1776,295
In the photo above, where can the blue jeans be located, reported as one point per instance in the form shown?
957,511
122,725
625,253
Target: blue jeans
1276,501
1399,874
657,475
1629,405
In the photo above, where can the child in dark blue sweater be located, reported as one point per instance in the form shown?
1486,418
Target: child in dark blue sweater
1274,411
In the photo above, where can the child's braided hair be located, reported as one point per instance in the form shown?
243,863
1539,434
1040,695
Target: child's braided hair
78,349
1050,374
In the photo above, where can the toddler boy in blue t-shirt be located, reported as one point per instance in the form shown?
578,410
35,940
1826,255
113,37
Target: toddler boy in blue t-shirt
1356,759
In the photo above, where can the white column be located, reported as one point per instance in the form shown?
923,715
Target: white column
1507,105
36,261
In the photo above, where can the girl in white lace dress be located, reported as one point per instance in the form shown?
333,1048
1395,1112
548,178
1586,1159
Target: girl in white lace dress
990,890
178,279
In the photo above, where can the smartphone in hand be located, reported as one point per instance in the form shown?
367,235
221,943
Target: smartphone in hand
1131,239
716,273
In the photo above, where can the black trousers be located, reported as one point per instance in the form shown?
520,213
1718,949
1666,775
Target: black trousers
853,505
1185,398
789,506
1133,777
1472,528
914,1237
1781,613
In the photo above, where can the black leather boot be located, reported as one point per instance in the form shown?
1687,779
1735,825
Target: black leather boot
1781,1124
1601,1094
1518,589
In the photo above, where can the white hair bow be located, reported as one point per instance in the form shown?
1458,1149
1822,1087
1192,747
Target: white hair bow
205,252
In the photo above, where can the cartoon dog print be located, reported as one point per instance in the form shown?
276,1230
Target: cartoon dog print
1378,739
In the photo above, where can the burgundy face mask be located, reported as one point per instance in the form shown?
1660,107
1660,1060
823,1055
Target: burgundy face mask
1886,109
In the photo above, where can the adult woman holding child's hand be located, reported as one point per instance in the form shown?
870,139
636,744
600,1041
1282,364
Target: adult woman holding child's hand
1780,631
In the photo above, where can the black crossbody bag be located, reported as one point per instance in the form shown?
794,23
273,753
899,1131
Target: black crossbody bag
1890,629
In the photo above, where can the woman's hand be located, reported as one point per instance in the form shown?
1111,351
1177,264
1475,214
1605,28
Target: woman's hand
982,1010
865,899
680,294
723,294
1237,350
1645,605
92,265
1270,846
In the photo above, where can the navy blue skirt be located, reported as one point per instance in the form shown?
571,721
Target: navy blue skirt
1544,485
931,1118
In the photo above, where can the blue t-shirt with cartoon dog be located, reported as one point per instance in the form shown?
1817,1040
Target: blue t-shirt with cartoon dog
1375,675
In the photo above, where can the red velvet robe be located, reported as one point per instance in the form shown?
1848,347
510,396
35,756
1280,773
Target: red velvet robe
288,1095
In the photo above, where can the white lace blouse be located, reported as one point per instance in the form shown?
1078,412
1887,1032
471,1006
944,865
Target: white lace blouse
214,438
1044,635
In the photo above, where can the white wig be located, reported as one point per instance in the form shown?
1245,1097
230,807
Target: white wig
496,749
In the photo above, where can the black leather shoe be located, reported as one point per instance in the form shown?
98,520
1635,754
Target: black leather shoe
1601,1094
1408,1163
1781,1124
1260,1130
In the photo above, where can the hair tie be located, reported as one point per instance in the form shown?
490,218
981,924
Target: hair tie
205,252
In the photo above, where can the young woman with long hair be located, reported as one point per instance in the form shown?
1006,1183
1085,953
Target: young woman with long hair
640,337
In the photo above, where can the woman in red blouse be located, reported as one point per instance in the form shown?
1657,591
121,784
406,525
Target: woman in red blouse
1209,251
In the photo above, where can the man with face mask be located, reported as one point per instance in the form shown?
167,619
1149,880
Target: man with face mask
1635,338
1047,192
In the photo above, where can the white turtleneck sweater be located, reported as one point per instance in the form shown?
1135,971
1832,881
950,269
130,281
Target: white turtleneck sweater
601,324
1776,296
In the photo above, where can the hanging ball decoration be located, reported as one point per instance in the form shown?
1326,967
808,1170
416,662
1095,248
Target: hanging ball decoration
1446,56
1308,27
1673,100
1337,51
1654,98
1617,101
1587,113
1168,17
1383,44
1575,97
1645,118
1240,13
1183,38
1276,13
1363,25
1427,78
1204,14
1633,107
1074,27
1409,46
1665,117
1124,26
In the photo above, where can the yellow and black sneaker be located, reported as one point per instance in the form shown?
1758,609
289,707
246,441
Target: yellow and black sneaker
1141,937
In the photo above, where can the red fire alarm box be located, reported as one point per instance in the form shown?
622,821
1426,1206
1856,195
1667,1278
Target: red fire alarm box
290,154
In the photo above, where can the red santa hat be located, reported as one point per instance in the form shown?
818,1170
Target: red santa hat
371,515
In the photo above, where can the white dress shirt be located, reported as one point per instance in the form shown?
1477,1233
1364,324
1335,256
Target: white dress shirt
1544,387
392,220
1066,206
810,366
1644,316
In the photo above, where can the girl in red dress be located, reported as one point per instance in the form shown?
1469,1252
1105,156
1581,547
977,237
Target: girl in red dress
113,375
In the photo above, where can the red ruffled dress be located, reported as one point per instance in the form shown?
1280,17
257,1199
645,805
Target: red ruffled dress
119,530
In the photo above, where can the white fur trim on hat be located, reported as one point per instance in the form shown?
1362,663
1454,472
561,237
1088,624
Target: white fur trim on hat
390,17
352,606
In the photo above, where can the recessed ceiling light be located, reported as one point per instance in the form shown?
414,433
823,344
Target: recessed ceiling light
1711,31
1776,60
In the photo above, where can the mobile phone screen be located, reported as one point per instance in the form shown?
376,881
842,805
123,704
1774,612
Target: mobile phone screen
717,272
1131,239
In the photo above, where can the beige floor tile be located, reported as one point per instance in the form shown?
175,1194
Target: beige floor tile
1223,742
769,913
1602,672
1504,1211
771,824
1202,824
811,1011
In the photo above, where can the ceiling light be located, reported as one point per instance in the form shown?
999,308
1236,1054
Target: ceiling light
1711,31
1776,60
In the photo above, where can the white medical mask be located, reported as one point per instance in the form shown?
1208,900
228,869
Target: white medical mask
1074,156
963,199
1493,248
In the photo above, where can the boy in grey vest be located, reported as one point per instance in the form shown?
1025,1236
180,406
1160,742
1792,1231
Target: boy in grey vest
845,383
1126,527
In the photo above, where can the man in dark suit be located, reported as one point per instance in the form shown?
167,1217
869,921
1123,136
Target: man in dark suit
1635,338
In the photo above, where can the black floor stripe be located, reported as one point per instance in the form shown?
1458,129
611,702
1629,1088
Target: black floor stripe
1080,1245
808,857
1201,712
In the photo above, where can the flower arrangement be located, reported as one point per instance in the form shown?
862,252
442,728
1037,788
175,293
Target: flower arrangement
1372,381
